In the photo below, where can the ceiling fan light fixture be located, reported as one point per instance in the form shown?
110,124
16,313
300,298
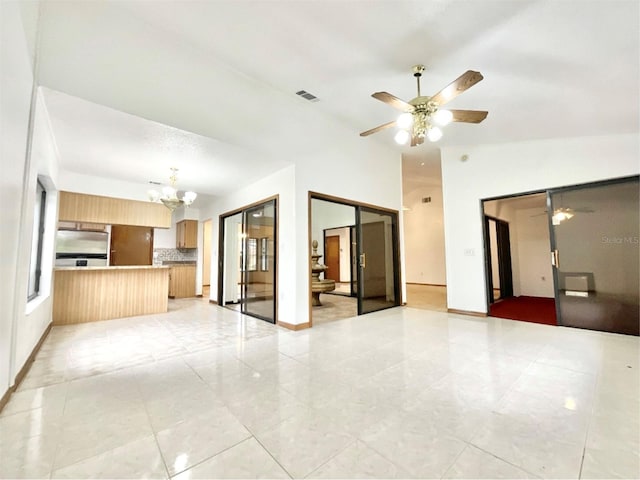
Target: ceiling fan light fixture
561,214
402,137
405,120
434,134
442,117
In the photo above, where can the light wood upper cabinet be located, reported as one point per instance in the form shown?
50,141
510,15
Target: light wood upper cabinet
86,209
187,234
89,227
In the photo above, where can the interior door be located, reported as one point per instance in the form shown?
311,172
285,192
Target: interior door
377,260
504,259
595,236
259,262
131,245
332,257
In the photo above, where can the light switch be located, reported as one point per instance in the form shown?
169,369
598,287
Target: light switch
469,252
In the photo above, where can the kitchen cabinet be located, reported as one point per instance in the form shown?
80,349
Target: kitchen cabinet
182,281
187,234
82,208
87,227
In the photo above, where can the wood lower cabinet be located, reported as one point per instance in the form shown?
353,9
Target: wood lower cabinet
182,281
187,234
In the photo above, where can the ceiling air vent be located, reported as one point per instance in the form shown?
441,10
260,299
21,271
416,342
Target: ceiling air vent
307,96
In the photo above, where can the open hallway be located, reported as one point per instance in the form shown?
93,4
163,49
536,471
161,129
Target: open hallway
203,392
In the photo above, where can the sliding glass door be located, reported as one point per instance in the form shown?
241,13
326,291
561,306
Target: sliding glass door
247,260
259,272
377,260
595,232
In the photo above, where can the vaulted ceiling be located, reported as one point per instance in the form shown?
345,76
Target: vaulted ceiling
135,87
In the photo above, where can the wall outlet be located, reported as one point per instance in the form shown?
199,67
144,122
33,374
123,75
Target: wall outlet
469,252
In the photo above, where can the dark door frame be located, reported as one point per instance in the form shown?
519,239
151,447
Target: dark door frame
505,269
352,203
221,218
396,254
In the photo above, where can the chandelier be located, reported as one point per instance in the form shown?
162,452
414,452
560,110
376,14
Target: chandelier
169,195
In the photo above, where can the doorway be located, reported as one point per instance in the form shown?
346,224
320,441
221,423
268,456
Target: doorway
499,259
340,258
519,279
365,240
206,257
247,273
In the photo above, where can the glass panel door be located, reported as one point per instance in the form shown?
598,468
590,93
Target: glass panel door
259,262
377,260
231,261
595,241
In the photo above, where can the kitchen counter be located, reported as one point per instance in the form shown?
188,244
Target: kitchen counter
91,294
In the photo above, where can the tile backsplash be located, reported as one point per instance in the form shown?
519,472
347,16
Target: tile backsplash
173,254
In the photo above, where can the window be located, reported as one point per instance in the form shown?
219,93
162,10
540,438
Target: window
35,266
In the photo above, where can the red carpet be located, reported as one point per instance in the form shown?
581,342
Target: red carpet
528,309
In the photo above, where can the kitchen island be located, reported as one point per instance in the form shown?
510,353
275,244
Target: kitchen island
91,294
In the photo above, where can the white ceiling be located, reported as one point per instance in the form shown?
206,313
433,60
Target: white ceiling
225,74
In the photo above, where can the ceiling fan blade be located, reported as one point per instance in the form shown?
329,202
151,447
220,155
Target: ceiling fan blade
455,88
378,128
394,101
468,116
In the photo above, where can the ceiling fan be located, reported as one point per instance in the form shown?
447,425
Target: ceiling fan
422,115
561,214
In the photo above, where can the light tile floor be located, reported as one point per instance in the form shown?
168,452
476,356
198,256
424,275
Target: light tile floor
202,392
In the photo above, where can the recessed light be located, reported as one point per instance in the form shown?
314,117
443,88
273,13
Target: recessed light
422,164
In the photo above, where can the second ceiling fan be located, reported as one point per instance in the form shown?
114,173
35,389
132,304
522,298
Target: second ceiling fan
422,115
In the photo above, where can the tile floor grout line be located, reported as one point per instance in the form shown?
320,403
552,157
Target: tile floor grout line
383,455
355,440
153,431
270,454
212,456
503,460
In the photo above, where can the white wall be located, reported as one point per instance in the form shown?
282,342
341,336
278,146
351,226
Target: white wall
353,168
536,275
281,183
16,82
497,170
33,317
424,233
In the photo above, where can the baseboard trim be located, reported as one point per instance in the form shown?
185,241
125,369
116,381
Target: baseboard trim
213,301
467,312
291,326
427,284
25,368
